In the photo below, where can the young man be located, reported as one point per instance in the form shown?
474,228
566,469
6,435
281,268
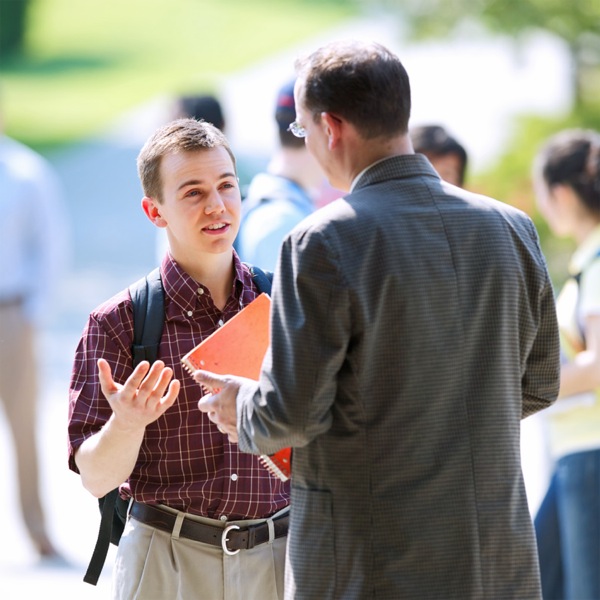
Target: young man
140,429
413,326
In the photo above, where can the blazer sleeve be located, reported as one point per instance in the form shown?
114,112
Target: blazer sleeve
310,332
541,378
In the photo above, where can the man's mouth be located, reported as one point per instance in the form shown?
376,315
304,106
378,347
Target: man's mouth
217,228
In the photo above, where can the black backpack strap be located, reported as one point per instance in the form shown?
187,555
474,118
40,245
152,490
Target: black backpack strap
107,509
147,296
262,279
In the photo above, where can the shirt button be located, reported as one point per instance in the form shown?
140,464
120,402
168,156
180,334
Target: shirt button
234,477
220,322
189,313
223,517
200,291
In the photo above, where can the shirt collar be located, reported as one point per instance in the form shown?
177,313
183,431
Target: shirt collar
586,251
184,291
355,180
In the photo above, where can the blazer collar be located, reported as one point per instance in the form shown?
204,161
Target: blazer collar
395,167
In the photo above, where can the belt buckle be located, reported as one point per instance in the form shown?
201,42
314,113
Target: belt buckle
224,540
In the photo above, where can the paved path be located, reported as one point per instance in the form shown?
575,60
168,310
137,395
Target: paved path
113,245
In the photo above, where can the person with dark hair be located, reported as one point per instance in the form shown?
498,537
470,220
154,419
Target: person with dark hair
567,184
191,491
413,326
200,107
446,153
281,197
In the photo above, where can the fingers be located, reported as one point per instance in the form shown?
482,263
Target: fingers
107,383
211,382
208,404
152,385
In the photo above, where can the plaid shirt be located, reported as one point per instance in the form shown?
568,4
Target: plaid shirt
184,461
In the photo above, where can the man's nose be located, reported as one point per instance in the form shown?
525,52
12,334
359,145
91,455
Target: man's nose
215,203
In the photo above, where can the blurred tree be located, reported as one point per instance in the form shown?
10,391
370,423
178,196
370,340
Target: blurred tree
577,22
13,15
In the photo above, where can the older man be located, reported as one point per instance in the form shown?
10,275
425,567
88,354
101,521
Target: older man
413,327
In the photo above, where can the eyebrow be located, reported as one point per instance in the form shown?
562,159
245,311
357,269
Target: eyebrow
189,182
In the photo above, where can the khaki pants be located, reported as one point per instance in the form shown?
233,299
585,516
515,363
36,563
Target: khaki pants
18,393
154,565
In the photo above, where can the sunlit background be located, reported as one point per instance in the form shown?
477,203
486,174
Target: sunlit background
86,82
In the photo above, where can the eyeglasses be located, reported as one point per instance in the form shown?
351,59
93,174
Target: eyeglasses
297,129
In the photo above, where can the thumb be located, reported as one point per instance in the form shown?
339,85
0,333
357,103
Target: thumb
211,382
105,378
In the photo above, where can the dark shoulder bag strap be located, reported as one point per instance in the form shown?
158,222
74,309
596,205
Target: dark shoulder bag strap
577,278
147,296
262,279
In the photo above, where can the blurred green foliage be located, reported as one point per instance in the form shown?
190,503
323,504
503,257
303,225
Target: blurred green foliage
87,62
13,19
576,22
509,179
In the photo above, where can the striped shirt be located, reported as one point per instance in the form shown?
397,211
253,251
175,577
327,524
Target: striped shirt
184,461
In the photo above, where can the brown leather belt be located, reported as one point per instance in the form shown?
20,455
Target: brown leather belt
231,538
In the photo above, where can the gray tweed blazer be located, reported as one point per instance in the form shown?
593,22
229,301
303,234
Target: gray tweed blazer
413,326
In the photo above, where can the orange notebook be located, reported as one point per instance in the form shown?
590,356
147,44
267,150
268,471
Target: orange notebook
238,348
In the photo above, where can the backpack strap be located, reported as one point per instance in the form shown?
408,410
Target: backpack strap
577,278
148,300
107,509
147,297
262,279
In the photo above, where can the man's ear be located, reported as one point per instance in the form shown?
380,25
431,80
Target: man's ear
333,127
152,210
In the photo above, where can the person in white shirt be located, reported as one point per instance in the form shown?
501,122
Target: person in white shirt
33,251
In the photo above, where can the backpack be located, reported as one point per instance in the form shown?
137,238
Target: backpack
147,296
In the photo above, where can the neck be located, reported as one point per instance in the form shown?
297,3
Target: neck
297,165
358,154
215,271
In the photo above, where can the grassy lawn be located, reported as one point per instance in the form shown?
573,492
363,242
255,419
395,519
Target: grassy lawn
90,60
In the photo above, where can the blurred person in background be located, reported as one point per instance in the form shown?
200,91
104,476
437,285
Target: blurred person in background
283,195
205,107
445,153
34,245
567,185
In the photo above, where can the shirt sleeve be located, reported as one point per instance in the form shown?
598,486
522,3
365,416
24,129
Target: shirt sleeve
310,330
49,242
264,230
589,302
106,335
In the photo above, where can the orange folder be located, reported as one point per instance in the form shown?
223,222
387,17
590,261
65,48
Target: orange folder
238,348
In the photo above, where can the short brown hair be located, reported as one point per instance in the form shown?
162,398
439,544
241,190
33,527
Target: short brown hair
362,82
181,135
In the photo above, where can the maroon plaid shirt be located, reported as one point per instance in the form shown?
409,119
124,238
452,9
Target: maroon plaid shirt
184,461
